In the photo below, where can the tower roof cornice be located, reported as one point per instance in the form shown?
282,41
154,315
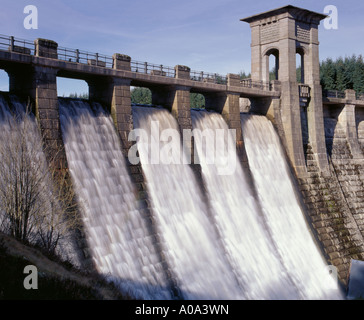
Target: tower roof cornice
292,11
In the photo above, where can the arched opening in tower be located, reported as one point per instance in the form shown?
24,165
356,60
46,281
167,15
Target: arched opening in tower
300,71
273,64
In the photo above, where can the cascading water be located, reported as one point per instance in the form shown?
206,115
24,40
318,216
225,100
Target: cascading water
188,237
230,248
13,123
117,234
27,190
282,211
236,213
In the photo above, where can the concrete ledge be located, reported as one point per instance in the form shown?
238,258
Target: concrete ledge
342,101
158,73
20,50
93,62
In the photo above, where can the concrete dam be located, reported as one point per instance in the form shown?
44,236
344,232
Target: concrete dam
226,202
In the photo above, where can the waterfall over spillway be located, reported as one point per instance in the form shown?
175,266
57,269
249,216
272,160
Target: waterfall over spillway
282,211
27,189
122,248
236,212
241,240
19,132
190,241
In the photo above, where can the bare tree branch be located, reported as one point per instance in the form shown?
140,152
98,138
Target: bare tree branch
37,202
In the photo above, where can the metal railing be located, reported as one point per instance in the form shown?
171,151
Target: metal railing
16,45
84,57
359,96
249,83
10,43
208,77
334,94
152,69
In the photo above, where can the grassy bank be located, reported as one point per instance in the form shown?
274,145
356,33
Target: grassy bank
56,280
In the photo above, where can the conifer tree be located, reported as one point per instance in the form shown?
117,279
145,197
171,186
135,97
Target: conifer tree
328,74
358,75
341,75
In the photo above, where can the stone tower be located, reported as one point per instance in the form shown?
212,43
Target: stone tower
283,33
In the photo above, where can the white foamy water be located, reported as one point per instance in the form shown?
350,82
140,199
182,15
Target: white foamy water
233,247
117,235
237,215
282,212
22,149
21,138
188,237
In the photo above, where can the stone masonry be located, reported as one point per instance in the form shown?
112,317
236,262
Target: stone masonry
331,217
285,32
325,152
324,141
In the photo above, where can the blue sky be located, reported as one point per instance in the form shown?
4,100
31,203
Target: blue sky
202,34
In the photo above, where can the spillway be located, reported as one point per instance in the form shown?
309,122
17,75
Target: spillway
27,190
237,213
121,244
191,244
283,213
243,239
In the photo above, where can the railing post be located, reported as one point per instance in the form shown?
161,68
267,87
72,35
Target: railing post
182,72
121,62
77,55
348,122
233,80
146,67
46,48
11,43
275,85
350,94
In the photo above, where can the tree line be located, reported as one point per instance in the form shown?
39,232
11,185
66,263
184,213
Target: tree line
343,73
140,95
339,74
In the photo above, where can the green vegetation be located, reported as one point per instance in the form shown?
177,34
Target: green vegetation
298,74
197,100
57,280
244,75
79,95
141,96
343,73
12,277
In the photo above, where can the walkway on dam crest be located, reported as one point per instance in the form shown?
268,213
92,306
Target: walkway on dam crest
73,63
